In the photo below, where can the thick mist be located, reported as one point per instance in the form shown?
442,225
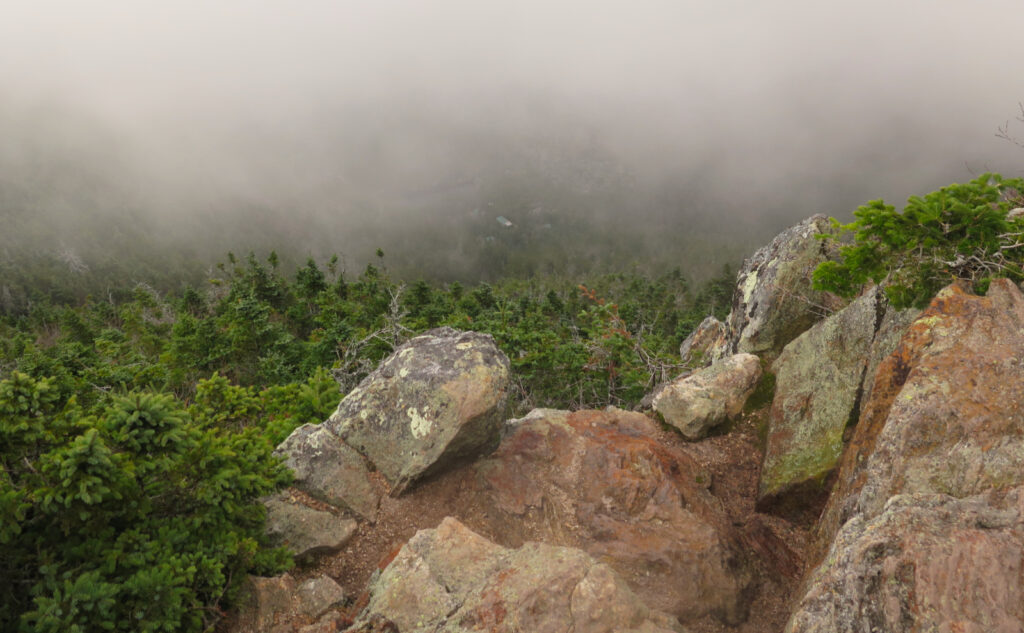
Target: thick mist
674,133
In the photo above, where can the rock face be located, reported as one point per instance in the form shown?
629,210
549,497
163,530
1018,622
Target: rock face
926,563
599,481
946,413
439,398
697,403
451,579
329,470
941,440
305,530
820,382
774,302
699,346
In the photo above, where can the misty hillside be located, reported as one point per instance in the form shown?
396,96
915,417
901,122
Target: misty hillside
443,274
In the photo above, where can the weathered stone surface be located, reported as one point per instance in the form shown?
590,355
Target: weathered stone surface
699,346
701,401
774,302
601,482
270,605
304,530
923,527
318,595
946,413
264,602
440,398
451,579
329,470
926,563
820,379
330,622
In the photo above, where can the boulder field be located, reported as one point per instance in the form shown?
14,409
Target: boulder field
877,484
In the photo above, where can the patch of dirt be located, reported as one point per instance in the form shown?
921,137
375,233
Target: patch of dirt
775,545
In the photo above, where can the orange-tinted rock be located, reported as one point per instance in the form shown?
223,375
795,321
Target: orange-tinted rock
451,579
946,412
923,530
598,480
926,563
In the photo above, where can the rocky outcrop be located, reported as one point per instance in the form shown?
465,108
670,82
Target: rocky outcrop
327,469
774,302
946,413
304,530
452,579
699,347
440,398
924,498
820,378
280,604
601,482
707,398
925,563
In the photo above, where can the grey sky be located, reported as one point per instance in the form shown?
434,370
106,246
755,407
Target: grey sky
768,100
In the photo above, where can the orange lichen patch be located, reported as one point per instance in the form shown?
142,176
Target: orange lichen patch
389,557
492,610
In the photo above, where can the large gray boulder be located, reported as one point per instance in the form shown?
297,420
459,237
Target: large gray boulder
698,402
440,398
820,383
773,302
451,579
304,530
943,431
329,470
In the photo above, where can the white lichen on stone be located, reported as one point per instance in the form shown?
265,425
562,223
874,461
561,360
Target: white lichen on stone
418,424
749,285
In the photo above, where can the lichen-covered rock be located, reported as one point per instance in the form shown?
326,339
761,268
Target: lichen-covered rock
946,413
440,398
773,302
925,563
600,481
819,385
706,398
451,579
329,470
304,530
916,524
700,346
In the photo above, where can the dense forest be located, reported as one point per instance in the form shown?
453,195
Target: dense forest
139,423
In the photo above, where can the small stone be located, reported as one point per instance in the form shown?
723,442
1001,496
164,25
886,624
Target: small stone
707,398
304,530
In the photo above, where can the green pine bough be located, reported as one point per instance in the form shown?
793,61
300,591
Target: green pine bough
139,516
963,231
